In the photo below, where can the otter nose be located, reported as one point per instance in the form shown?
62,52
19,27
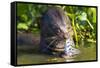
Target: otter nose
65,36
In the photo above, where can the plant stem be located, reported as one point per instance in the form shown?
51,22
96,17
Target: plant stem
89,24
74,28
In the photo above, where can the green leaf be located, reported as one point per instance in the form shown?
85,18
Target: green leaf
24,17
83,16
94,14
22,26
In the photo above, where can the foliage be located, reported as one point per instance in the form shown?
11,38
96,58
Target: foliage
83,19
83,22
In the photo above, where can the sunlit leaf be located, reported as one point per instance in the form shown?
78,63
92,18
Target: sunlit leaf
94,14
83,16
24,17
22,26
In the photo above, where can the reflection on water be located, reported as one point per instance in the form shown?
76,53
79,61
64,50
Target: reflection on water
29,55
69,60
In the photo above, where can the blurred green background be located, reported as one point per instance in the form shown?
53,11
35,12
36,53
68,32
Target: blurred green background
83,22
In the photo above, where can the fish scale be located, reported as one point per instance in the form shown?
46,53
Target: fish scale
70,49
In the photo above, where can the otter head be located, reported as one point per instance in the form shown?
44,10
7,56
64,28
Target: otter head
55,29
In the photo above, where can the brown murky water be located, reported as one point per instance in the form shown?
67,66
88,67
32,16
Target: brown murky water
29,54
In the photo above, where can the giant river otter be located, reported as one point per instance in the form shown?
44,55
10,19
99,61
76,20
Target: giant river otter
56,33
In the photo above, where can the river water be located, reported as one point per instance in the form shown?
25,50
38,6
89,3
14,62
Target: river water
30,55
